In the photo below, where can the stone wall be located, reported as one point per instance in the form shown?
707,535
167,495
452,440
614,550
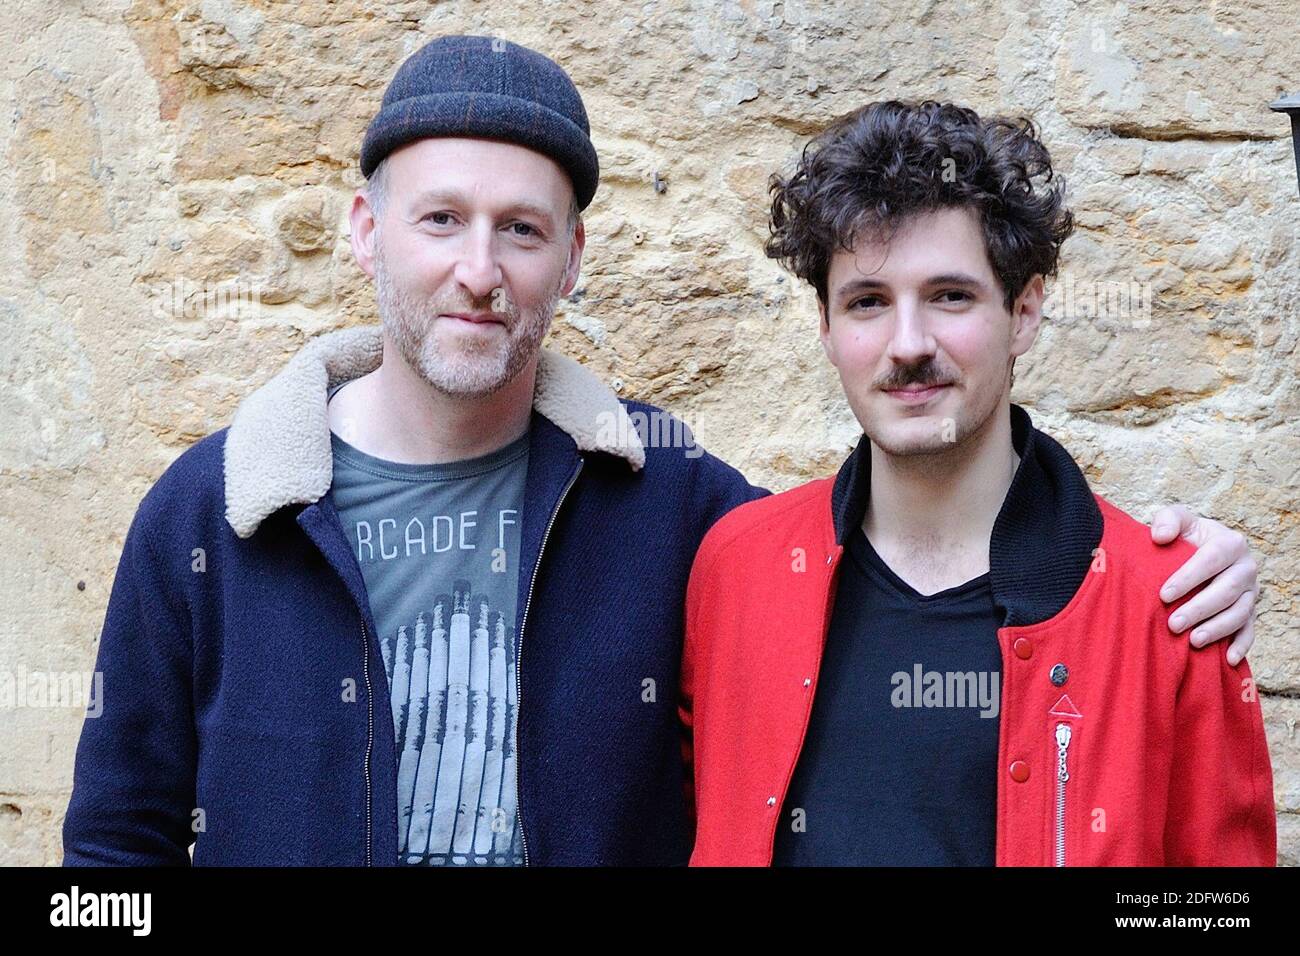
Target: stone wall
162,160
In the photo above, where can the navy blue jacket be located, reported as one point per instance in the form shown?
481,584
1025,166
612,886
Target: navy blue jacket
245,703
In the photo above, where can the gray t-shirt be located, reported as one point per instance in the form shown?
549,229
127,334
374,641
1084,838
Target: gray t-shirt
438,547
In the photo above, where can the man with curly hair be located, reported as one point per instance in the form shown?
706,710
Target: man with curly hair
420,602
952,652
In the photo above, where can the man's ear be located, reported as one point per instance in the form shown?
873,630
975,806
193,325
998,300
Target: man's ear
362,218
574,265
824,330
1027,316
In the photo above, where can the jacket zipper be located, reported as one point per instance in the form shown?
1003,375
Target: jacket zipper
370,731
519,658
1063,735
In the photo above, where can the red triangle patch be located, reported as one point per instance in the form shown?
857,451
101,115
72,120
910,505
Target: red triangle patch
1065,708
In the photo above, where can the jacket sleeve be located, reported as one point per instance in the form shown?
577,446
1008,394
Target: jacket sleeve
1220,809
134,776
724,489
686,693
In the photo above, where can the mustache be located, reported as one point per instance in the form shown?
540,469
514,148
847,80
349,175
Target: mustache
498,303
924,374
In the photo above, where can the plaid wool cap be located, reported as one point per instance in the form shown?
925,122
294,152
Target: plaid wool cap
489,87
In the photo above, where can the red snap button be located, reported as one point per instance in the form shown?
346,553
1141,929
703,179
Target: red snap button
1019,771
1024,650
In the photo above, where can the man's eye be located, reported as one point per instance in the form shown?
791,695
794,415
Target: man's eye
523,225
961,296
438,218
867,300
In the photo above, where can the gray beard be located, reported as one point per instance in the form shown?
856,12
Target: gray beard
479,368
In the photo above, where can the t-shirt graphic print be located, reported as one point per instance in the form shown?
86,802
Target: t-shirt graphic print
438,547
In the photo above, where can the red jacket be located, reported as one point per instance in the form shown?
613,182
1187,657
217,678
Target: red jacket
1166,758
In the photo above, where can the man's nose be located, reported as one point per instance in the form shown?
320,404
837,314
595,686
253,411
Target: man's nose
477,267
911,339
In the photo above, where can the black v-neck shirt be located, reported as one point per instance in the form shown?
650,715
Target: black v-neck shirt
899,767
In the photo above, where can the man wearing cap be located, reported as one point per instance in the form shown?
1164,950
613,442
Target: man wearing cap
421,602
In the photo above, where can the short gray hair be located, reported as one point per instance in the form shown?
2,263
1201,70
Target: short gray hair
377,195
377,188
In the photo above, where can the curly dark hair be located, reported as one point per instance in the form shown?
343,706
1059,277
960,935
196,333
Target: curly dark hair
881,164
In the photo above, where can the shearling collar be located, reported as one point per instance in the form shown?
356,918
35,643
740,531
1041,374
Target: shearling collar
278,451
